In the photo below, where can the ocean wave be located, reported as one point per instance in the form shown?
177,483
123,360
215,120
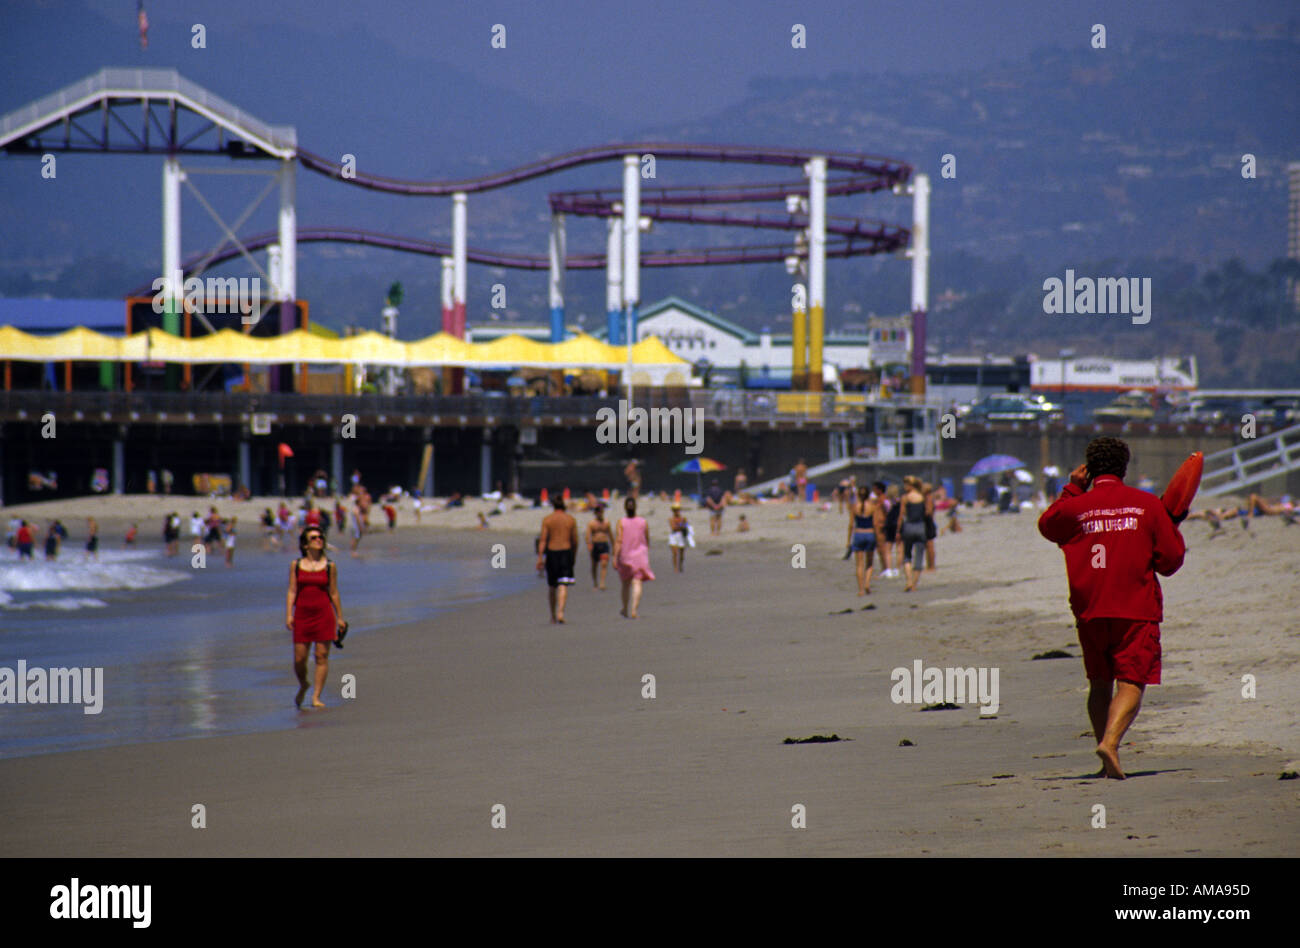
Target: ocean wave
114,569
63,603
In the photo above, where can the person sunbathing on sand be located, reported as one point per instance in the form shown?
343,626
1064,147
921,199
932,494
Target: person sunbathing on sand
1259,506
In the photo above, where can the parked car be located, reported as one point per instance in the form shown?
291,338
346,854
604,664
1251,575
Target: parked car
1009,406
1131,406
1281,410
1203,411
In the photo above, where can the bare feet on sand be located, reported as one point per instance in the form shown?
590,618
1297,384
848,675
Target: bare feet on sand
1110,762
297,701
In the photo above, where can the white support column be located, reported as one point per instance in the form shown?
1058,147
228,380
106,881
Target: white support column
920,242
459,236
557,254
631,258
614,280
288,282
171,236
448,293
631,242
816,269
920,277
273,257
454,379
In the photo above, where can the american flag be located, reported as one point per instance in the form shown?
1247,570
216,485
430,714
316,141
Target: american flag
143,19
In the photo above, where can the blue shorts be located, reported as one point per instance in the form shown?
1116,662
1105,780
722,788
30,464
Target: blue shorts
864,541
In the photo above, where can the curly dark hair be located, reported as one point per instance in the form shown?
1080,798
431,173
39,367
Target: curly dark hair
1107,456
302,538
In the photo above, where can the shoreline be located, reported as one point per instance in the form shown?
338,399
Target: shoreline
491,704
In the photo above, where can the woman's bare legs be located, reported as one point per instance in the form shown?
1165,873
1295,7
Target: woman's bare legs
300,669
322,670
860,563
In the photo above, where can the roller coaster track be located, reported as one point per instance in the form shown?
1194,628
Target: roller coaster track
701,257
138,111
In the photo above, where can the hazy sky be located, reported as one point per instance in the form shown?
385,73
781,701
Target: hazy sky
677,59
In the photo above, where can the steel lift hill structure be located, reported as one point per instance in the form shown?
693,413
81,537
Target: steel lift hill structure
157,111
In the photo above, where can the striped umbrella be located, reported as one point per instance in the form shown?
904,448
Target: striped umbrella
699,467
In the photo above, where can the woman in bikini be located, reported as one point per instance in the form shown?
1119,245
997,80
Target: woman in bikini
679,535
866,523
313,612
599,541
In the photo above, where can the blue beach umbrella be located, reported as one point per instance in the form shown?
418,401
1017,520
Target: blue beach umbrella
995,464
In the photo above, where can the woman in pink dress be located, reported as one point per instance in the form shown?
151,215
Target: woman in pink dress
632,557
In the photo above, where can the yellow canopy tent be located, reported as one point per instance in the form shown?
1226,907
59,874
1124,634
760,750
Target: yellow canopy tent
374,348
652,351
439,349
75,345
514,350
229,345
305,346
584,351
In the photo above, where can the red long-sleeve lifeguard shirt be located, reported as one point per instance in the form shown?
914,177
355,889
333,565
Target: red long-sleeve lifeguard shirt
1139,539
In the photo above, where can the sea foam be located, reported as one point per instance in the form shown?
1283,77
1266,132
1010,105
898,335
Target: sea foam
72,571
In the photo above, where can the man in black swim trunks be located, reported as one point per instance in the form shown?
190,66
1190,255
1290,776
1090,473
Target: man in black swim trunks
556,548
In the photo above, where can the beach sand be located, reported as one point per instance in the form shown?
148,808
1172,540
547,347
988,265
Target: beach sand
494,705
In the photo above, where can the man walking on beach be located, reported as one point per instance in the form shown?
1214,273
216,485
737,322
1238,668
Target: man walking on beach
633,474
1115,538
715,498
556,548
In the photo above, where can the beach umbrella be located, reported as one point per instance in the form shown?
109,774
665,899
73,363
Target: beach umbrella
699,467
995,464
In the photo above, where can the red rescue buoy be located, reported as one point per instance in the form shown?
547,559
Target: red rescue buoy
1177,497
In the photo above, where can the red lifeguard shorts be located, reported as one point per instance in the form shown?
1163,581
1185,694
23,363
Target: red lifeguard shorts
1125,649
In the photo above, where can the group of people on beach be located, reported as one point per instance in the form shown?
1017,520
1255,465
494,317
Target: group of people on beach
20,536
895,523
625,544
1117,609
211,533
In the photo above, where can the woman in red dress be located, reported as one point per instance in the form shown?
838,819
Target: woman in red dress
312,611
